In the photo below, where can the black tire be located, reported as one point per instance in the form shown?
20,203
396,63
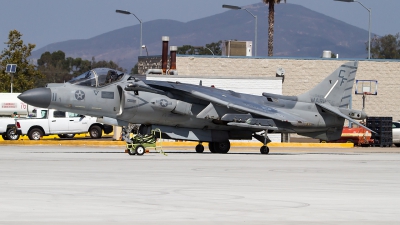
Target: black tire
95,132
12,135
199,148
264,150
140,150
222,147
66,135
131,151
397,145
35,134
211,147
4,136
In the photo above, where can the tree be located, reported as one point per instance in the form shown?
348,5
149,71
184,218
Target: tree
271,21
213,48
57,69
386,47
135,69
185,50
18,53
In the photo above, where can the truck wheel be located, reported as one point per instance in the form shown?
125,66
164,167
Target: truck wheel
4,136
12,135
66,135
69,135
95,132
35,134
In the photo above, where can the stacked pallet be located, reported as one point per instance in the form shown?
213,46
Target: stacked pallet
383,128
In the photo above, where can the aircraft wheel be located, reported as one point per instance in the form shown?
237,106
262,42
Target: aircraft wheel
199,148
4,136
95,132
35,134
264,149
140,150
222,147
12,135
211,147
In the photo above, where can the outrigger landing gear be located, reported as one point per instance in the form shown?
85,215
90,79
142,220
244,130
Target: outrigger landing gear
264,149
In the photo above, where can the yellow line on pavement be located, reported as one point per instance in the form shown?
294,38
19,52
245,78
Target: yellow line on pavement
89,142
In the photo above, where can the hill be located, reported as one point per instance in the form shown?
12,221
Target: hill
299,32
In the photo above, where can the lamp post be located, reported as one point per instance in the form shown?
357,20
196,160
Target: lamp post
255,18
127,13
369,24
144,46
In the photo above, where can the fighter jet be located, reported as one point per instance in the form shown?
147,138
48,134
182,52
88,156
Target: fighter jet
204,114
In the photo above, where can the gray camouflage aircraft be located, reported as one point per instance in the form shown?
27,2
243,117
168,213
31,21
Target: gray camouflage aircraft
204,114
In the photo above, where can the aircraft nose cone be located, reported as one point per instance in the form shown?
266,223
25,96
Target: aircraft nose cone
39,97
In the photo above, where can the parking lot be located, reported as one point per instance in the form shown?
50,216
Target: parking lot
101,185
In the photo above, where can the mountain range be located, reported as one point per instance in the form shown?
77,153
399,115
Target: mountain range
299,32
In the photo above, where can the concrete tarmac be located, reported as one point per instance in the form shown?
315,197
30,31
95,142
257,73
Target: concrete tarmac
103,185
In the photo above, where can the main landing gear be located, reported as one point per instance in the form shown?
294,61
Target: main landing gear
223,147
215,147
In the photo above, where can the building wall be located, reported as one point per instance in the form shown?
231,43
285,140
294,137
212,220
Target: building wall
302,74
150,62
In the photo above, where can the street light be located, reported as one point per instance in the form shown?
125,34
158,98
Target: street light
127,13
369,24
255,17
144,46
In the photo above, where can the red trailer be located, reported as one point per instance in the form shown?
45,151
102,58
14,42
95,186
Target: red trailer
359,136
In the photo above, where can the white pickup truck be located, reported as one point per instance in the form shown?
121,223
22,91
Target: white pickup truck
65,124
6,129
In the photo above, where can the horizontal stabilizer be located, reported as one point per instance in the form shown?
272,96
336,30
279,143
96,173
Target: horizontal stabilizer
336,111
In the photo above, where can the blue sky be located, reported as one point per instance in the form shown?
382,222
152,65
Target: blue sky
44,22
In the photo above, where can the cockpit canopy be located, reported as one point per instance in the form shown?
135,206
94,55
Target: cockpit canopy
98,77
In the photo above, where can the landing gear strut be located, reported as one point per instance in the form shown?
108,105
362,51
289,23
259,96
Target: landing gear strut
264,149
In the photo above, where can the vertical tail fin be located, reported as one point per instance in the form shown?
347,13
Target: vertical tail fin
335,89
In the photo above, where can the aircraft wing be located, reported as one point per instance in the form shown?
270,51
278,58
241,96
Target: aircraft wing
250,107
224,98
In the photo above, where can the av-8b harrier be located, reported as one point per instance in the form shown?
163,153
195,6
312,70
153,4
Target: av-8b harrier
204,114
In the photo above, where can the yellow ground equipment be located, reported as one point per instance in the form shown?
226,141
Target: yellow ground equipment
138,144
